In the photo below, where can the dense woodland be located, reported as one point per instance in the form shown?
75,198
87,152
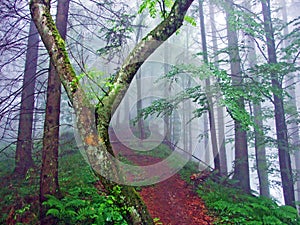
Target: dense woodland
149,112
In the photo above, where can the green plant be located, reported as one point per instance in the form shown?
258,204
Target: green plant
157,221
232,206
84,205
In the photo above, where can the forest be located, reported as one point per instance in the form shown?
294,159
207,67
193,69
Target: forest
163,112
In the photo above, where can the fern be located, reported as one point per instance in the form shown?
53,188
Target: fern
234,207
83,205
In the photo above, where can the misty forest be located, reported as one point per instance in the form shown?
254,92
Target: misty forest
165,112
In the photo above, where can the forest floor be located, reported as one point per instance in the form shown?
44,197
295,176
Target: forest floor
172,201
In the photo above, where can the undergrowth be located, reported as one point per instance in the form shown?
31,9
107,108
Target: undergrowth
232,206
84,205
81,201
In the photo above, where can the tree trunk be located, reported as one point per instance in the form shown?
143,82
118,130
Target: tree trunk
49,170
259,140
281,127
260,152
96,143
293,128
241,164
211,114
23,158
220,109
139,106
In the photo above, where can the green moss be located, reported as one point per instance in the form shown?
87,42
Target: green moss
71,83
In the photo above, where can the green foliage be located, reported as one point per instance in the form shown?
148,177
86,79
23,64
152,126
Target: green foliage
166,106
82,202
17,200
96,84
190,20
161,7
232,206
157,221
84,205
154,6
198,94
116,34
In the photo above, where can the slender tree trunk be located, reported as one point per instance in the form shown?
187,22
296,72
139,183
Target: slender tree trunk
187,81
293,128
207,154
241,164
167,123
260,152
49,171
139,103
259,140
96,142
280,122
220,109
23,158
211,114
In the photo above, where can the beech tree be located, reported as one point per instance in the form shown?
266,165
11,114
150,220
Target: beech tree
96,142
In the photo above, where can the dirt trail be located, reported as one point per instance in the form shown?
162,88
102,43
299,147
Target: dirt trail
173,200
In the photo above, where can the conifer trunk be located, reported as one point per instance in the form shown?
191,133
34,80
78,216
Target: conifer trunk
280,122
23,157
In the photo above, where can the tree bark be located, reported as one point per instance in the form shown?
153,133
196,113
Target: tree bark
23,157
259,136
280,122
241,164
139,106
49,171
211,114
260,152
96,143
220,109
293,128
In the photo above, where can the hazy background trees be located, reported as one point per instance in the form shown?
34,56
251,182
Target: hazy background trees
251,50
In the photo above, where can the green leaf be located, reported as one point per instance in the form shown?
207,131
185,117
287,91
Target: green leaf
53,212
190,20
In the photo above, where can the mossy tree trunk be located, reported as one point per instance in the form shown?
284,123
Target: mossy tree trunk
96,141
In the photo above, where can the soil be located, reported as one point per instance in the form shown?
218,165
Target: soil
171,202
